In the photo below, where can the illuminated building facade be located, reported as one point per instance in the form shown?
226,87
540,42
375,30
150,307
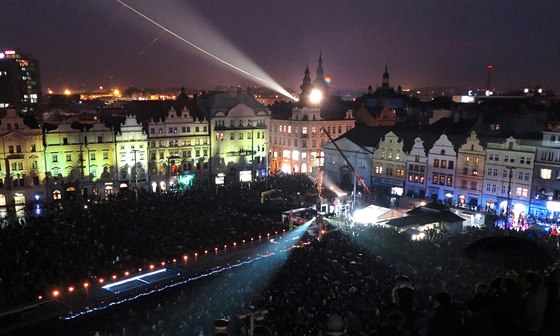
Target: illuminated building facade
337,170
22,165
440,184
508,169
132,154
388,166
239,136
417,164
545,190
20,84
178,146
296,144
470,172
80,160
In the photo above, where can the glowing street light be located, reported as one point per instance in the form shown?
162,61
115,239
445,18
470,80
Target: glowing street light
67,92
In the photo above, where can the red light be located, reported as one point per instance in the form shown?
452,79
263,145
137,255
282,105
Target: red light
86,285
55,293
114,277
126,273
490,67
101,280
70,289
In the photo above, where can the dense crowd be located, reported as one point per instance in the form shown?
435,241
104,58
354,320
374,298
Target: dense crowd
353,280
83,243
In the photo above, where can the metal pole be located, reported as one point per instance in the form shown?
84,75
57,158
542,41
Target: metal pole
508,197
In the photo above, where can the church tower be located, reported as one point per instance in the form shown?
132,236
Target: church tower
385,82
305,87
320,83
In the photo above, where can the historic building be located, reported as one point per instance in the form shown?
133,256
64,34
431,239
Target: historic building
545,190
470,172
132,154
239,136
416,163
80,160
388,166
296,143
178,151
441,170
508,177
22,164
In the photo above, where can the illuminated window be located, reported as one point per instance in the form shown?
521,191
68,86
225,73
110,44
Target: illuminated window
435,178
443,164
522,192
289,129
378,169
436,163
546,174
400,172
304,130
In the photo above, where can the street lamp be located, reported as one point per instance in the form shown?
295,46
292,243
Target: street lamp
508,196
135,167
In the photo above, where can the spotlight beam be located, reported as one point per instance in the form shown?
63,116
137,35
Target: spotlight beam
245,72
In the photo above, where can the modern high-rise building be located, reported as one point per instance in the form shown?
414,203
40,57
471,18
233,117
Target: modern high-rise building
20,85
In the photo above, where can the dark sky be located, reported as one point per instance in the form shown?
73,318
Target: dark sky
87,43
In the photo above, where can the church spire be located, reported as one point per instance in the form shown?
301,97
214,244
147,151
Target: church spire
306,86
385,83
320,83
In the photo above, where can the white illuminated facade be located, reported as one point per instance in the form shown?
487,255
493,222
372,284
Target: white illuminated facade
470,172
509,165
442,159
132,154
389,164
338,171
296,143
416,163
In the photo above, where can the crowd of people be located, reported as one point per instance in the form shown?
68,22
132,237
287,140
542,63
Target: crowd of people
351,280
85,242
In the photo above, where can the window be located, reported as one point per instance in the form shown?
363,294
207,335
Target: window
400,172
92,156
11,149
65,141
18,148
442,179
495,172
473,185
436,163
504,173
99,139
304,130
476,160
490,157
546,174
465,170
68,157
526,177
449,180
475,172
522,192
105,155
493,188
528,160
506,158
417,158
33,148
54,157
450,164
378,169
34,165
488,187
463,184
504,190
435,178
520,176
443,164
152,130
240,135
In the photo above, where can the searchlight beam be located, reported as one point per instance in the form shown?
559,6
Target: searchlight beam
273,86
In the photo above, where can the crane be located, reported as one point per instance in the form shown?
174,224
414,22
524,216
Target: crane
354,171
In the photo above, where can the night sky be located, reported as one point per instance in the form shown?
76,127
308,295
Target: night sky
88,43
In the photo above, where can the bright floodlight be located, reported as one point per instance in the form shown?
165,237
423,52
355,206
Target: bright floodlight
315,96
